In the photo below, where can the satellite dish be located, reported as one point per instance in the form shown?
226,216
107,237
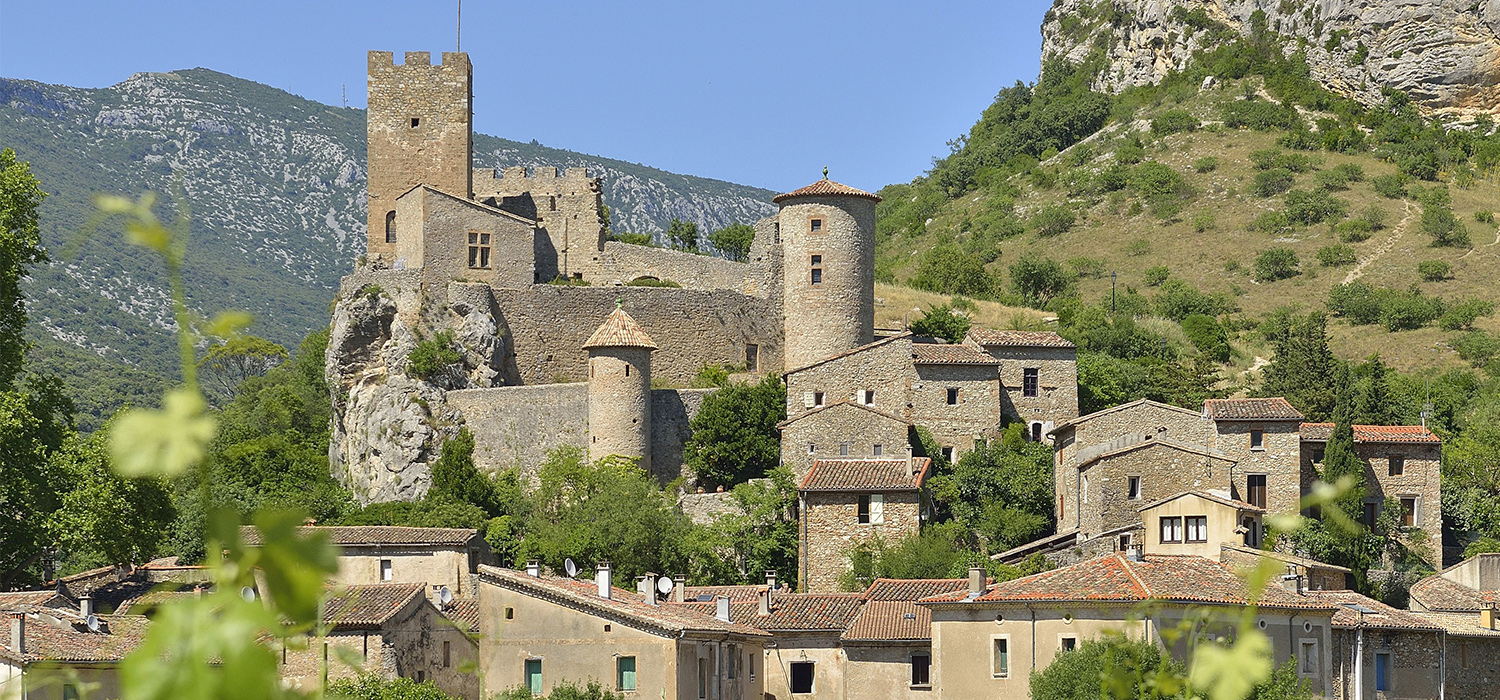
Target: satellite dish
248,594
92,622
444,595
570,568
664,585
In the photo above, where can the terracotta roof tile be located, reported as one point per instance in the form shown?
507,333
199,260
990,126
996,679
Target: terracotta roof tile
54,635
1030,339
619,330
1376,615
378,534
1460,624
1148,403
890,621
866,475
912,588
794,612
748,593
1378,434
464,612
627,606
854,351
1114,578
44,599
1443,595
825,188
369,606
942,354
1276,408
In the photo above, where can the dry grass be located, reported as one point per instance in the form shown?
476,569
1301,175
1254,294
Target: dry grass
895,306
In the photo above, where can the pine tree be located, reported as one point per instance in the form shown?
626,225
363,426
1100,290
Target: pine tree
1303,369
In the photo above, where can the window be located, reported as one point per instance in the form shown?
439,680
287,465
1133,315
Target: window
390,227
1036,432
1171,530
815,225
811,448
1252,533
1396,464
510,613
816,266
1371,513
921,669
627,370
421,676
952,396
752,358
1382,671
534,676
625,673
70,692
1255,487
817,398
878,450
867,397
732,656
950,453
1408,511
877,509
1030,381
479,250
1083,488
1257,439
1317,455
1133,488
447,653
802,676
416,122
385,569
843,449
702,679
1067,643
1463,654
864,509
1307,660
1000,663
1197,528
1124,543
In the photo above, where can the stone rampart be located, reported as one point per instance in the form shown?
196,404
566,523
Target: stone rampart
516,426
624,262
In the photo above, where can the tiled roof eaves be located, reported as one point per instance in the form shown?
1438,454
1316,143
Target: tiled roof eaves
917,479
1023,339
1241,505
1073,422
1266,409
846,353
825,188
1282,556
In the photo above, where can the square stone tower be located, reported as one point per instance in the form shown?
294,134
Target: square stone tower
419,131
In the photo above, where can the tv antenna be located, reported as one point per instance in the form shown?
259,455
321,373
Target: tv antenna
664,585
458,44
570,568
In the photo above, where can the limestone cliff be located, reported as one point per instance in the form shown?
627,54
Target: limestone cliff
389,426
1445,54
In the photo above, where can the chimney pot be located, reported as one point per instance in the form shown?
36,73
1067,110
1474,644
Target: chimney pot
18,632
1487,618
765,602
85,605
604,578
534,568
647,585
721,608
976,580
679,582
1133,552
770,585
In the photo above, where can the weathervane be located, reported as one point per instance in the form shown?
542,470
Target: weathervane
825,172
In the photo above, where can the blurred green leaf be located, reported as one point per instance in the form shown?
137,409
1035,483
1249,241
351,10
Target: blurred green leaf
165,442
1232,672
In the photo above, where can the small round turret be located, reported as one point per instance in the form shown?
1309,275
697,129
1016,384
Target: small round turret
620,389
828,270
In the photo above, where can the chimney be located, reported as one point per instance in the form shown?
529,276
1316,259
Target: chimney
603,577
679,582
648,588
765,602
770,585
1133,553
721,608
18,632
85,606
976,580
534,568
910,460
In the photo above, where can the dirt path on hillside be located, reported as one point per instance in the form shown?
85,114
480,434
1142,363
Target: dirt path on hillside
1385,246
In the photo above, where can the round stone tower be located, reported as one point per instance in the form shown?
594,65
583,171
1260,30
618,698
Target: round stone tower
620,389
828,270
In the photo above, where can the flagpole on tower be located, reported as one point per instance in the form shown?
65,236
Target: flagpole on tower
459,43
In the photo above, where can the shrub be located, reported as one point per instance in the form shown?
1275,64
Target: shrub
1337,255
369,686
1272,158
1353,230
561,281
1206,164
1156,275
1052,220
946,269
1391,186
1206,334
1269,183
1446,230
1484,217
1299,139
734,241
942,322
1461,316
373,291
433,356
1165,207
1088,671
1357,301
1130,153
1276,264
1307,208
1177,300
1138,247
1434,270
1174,121
1375,216
633,238
1338,179
1087,267
1259,115
1153,179
1476,346
1039,279
1409,311
652,282
1203,221
1270,222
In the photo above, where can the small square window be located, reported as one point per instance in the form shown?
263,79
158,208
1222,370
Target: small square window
811,448
815,225
1133,489
817,398
510,613
952,396
1397,465
1068,643
867,397
416,122
878,449
950,453
843,449
1257,439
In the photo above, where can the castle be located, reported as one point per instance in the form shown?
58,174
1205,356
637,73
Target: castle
564,343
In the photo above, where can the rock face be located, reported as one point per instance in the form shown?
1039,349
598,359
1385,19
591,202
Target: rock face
1445,54
388,425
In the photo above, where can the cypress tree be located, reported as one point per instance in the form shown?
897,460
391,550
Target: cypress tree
1304,369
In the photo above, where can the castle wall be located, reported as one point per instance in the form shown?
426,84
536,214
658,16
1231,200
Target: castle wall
620,403
623,262
550,324
436,150
516,426
567,210
671,411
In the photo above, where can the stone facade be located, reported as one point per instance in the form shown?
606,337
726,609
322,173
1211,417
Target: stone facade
567,212
1404,471
828,275
1160,468
975,412
420,131
1278,458
461,240
846,504
1056,370
841,430
1414,666
620,403
1077,441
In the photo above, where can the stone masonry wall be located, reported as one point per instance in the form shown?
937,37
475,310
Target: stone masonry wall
827,431
624,262
671,412
1279,459
567,210
1471,668
1420,477
1164,470
516,426
437,150
838,313
1414,669
884,367
832,529
1057,395
442,248
975,416
1138,420
620,403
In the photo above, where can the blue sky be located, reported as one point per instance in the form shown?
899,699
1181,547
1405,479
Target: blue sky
763,93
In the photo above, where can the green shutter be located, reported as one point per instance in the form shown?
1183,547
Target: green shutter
534,676
625,673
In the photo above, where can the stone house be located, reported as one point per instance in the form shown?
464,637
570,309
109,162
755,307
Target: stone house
1466,587
888,645
435,557
51,653
390,630
956,394
537,631
1382,652
846,503
1115,483
1264,439
989,640
1470,648
1402,462
1318,576
1080,439
1038,376
842,430
1199,523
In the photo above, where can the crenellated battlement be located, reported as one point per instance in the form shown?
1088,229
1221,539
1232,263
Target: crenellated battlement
386,60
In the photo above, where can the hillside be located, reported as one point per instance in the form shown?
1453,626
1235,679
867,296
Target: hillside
275,184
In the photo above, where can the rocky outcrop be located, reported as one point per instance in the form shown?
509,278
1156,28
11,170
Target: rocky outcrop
388,426
1445,54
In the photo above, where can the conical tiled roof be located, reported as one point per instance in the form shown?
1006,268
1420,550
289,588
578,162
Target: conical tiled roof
826,188
619,331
